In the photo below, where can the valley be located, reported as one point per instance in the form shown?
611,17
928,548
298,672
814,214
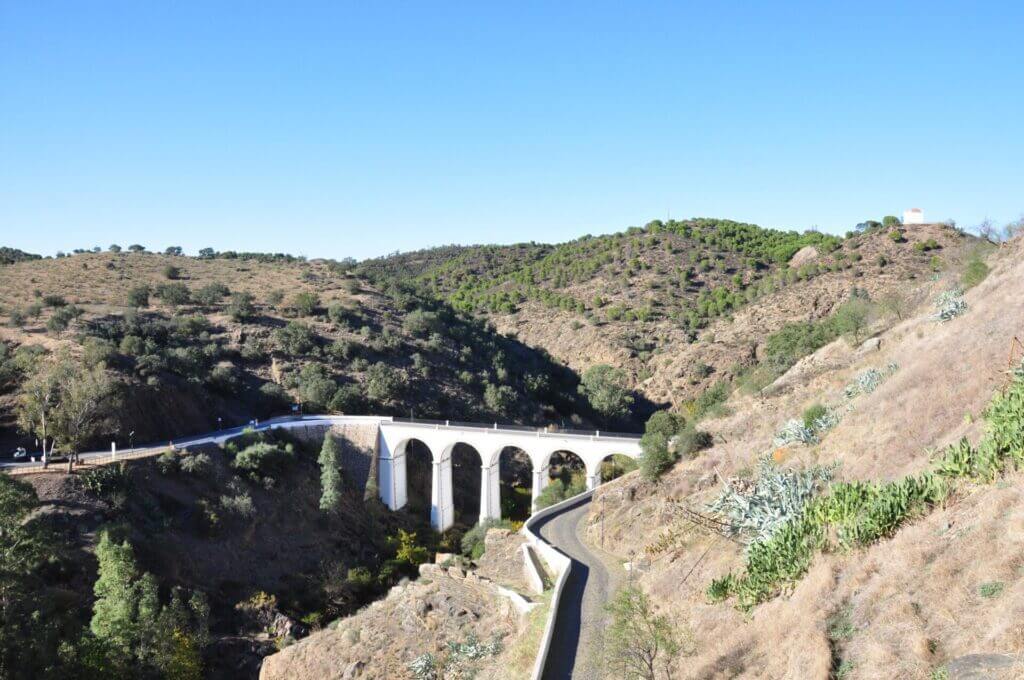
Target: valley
381,429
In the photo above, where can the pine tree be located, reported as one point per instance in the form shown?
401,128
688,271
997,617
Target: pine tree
330,474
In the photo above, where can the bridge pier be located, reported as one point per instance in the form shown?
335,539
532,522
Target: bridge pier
541,477
391,478
593,479
442,501
490,493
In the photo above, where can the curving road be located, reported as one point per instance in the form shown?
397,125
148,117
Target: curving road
577,645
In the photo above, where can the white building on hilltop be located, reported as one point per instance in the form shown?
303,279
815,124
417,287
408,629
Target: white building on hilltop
913,216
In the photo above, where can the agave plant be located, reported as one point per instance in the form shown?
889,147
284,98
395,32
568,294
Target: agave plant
868,381
794,432
756,510
950,304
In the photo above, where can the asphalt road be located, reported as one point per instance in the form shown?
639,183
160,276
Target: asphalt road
577,646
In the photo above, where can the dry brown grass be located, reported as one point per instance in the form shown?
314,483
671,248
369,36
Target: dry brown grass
914,601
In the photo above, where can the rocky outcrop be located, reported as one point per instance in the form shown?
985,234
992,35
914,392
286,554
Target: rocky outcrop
446,604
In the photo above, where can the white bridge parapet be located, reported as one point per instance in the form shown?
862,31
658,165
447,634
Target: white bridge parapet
440,439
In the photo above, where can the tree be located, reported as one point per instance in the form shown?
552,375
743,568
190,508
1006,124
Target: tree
136,248
894,304
206,253
114,248
39,398
130,622
656,456
87,402
25,637
171,272
173,250
382,382
66,402
499,398
330,474
604,387
890,221
853,317
637,641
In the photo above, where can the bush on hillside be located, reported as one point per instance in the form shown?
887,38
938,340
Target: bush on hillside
383,383
264,460
557,491
605,389
296,338
139,296
472,541
305,303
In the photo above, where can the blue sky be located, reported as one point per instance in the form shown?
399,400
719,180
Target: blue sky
356,129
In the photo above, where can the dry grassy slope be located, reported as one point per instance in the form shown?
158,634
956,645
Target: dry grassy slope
725,342
914,600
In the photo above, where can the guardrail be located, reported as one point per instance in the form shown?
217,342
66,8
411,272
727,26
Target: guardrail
559,562
496,427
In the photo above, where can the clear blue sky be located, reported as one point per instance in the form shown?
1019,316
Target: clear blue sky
355,129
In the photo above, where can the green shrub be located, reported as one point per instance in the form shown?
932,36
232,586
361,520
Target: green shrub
242,306
472,541
557,491
348,399
305,303
211,294
605,389
711,400
173,294
383,383
812,414
139,296
171,272
975,271
296,338
196,465
264,459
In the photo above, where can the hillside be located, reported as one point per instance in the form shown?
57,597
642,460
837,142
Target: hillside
192,340
911,598
678,305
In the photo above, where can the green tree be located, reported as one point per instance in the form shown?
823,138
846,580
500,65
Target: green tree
330,474
67,402
604,387
853,317
638,641
27,638
656,456
382,382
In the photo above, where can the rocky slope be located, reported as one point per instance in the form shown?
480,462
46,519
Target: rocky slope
447,605
944,586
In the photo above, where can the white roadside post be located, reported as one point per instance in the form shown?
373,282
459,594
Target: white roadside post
113,450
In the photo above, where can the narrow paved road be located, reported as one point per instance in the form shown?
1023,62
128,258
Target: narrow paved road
577,648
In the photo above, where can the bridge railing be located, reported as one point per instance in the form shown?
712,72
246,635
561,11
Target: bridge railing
502,427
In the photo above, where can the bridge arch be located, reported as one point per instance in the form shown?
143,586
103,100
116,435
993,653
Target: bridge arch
539,449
